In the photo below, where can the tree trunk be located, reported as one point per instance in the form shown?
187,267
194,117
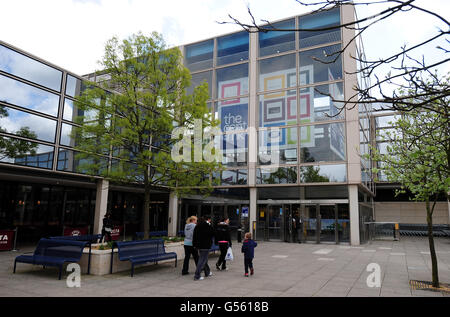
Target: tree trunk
434,264
146,213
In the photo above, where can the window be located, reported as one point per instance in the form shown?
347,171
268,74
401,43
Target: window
323,173
23,95
199,56
316,103
232,81
277,73
200,78
320,20
277,146
28,125
274,42
280,175
325,142
313,67
278,108
42,156
232,48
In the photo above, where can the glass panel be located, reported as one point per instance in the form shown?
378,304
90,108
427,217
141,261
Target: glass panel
276,222
28,125
70,161
327,223
234,149
234,177
309,214
316,103
343,223
323,173
319,20
66,130
23,95
74,86
29,69
199,56
324,142
277,146
278,109
281,175
232,48
233,114
313,67
200,78
232,81
274,42
277,73
25,153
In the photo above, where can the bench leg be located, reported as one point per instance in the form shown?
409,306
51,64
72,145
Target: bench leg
60,271
14,271
132,270
176,260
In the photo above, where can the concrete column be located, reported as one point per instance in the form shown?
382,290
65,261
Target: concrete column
253,110
253,209
173,214
354,214
101,204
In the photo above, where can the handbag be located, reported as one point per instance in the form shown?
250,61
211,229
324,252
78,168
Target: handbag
229,256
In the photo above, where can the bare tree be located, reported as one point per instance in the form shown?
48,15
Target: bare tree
406,71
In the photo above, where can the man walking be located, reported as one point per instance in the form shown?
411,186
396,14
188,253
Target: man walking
202,241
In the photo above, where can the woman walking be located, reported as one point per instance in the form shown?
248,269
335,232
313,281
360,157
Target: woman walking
223,239
189,249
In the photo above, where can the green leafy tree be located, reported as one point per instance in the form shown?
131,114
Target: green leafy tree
14,148
133,114
418,159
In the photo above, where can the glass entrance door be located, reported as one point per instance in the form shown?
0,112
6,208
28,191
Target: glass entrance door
275,223
310,222
328,220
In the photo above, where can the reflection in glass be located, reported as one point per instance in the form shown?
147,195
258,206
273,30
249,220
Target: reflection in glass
74,86
324,142
280,175
232,81
319,20
73,161
277,73
66,130
232,48
278,108
27,125
277,146
26,153
234,148
323,173
200,78
234,177
199,56
313,67
23,95
274,42
316,103
29,69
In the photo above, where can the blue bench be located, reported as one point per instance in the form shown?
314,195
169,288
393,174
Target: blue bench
140,235
53,252
89,238
143,251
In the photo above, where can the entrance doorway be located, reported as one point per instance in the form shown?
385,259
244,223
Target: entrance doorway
317,223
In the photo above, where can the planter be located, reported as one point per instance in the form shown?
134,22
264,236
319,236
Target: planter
101,259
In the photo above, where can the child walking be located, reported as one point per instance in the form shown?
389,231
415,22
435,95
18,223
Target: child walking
248,248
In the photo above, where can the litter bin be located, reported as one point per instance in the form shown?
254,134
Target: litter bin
239,235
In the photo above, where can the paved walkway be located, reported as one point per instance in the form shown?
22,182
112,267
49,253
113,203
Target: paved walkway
281,269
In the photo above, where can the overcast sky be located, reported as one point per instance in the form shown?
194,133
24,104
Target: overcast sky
72,33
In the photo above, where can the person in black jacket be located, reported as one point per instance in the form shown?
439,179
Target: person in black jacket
223,240
107,227
202,241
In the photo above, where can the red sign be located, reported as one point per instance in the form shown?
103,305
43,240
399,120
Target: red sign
115,233
6,240
74,232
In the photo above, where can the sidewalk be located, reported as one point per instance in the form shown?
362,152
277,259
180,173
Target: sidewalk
281,269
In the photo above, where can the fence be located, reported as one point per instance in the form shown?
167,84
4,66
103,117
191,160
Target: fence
383,230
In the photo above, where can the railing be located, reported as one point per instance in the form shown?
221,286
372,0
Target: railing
383,230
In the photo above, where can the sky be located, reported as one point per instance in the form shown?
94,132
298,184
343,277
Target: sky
72,33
